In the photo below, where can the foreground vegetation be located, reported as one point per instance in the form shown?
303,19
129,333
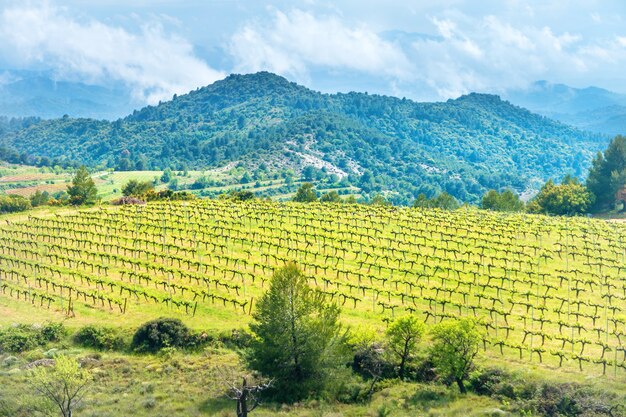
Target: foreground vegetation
544,293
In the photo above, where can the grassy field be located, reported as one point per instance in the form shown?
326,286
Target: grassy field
549,293
26,180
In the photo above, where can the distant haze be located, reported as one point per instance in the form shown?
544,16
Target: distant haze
424,50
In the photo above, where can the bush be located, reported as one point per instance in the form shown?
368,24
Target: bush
13,203
101,338
160,333
127,200
486,382
53,332
19,339
236,339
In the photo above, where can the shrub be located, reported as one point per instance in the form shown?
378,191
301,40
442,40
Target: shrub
484,381
53,332
19,339
13,203
236,339
160,333
127,200
101,338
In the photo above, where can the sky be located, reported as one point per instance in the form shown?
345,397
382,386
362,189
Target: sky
420,49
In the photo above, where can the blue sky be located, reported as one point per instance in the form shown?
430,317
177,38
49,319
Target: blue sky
422,49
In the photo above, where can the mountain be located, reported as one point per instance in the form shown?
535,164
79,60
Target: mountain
464,146
593,109
24,94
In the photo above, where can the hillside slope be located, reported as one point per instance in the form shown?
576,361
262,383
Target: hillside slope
593,109
463,146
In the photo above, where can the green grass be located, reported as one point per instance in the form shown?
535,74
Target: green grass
392,261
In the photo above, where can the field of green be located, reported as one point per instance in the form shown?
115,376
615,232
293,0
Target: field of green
549,293
26,180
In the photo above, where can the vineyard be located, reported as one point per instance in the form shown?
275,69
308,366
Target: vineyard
545,290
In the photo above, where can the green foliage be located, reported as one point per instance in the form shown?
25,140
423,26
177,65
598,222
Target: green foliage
305,194
160,333
402,338
507,200
379,200
19,338
83,190
443,201
101,338
53,332
134,188
608,173
331,197
568,198
242,195
167,176
13,204
64,384
39,198
463,147
455,345
296,336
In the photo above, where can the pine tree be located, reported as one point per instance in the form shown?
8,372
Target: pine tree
83,190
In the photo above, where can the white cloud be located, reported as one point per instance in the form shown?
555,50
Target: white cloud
153,63
293,43
489,54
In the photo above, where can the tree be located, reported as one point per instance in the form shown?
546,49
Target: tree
404,334
422,201
445,201
65,384
308,173
608,173
379,200
167,176
39,198
330,197
247,396
297,335
134,188
245,178
568,198
455,345
504,201
305,194
83,190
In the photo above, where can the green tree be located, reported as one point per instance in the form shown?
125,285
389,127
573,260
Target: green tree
608,173
64,385
422,201
305,194
39,198
403,335
330,197
13,203
134,188
83,190
379,200
297,336
445,201
167,176
245,178
308,173
455,346
568,198
504,201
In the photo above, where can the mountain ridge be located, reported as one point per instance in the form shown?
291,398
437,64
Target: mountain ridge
463,146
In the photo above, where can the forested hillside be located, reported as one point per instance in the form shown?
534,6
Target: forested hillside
463,146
